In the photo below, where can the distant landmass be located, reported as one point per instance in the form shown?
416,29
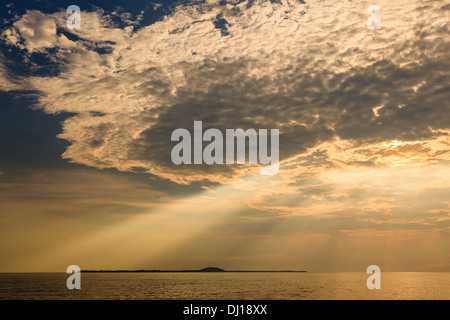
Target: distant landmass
207,269
212,269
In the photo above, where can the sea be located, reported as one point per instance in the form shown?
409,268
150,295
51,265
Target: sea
225,286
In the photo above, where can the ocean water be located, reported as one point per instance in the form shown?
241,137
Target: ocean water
225,286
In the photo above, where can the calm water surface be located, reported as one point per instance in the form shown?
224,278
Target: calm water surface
226,286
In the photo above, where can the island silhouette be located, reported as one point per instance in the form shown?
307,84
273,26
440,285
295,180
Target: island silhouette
207,269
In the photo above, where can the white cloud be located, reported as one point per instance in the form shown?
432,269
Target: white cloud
37,29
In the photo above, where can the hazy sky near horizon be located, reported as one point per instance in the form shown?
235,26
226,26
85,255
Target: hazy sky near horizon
87,114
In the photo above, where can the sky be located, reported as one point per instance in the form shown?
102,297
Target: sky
86,117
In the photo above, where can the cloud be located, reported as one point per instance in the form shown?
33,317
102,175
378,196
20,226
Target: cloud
312,70
81,193
36,29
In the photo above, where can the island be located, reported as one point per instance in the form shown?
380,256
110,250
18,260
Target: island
207,269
